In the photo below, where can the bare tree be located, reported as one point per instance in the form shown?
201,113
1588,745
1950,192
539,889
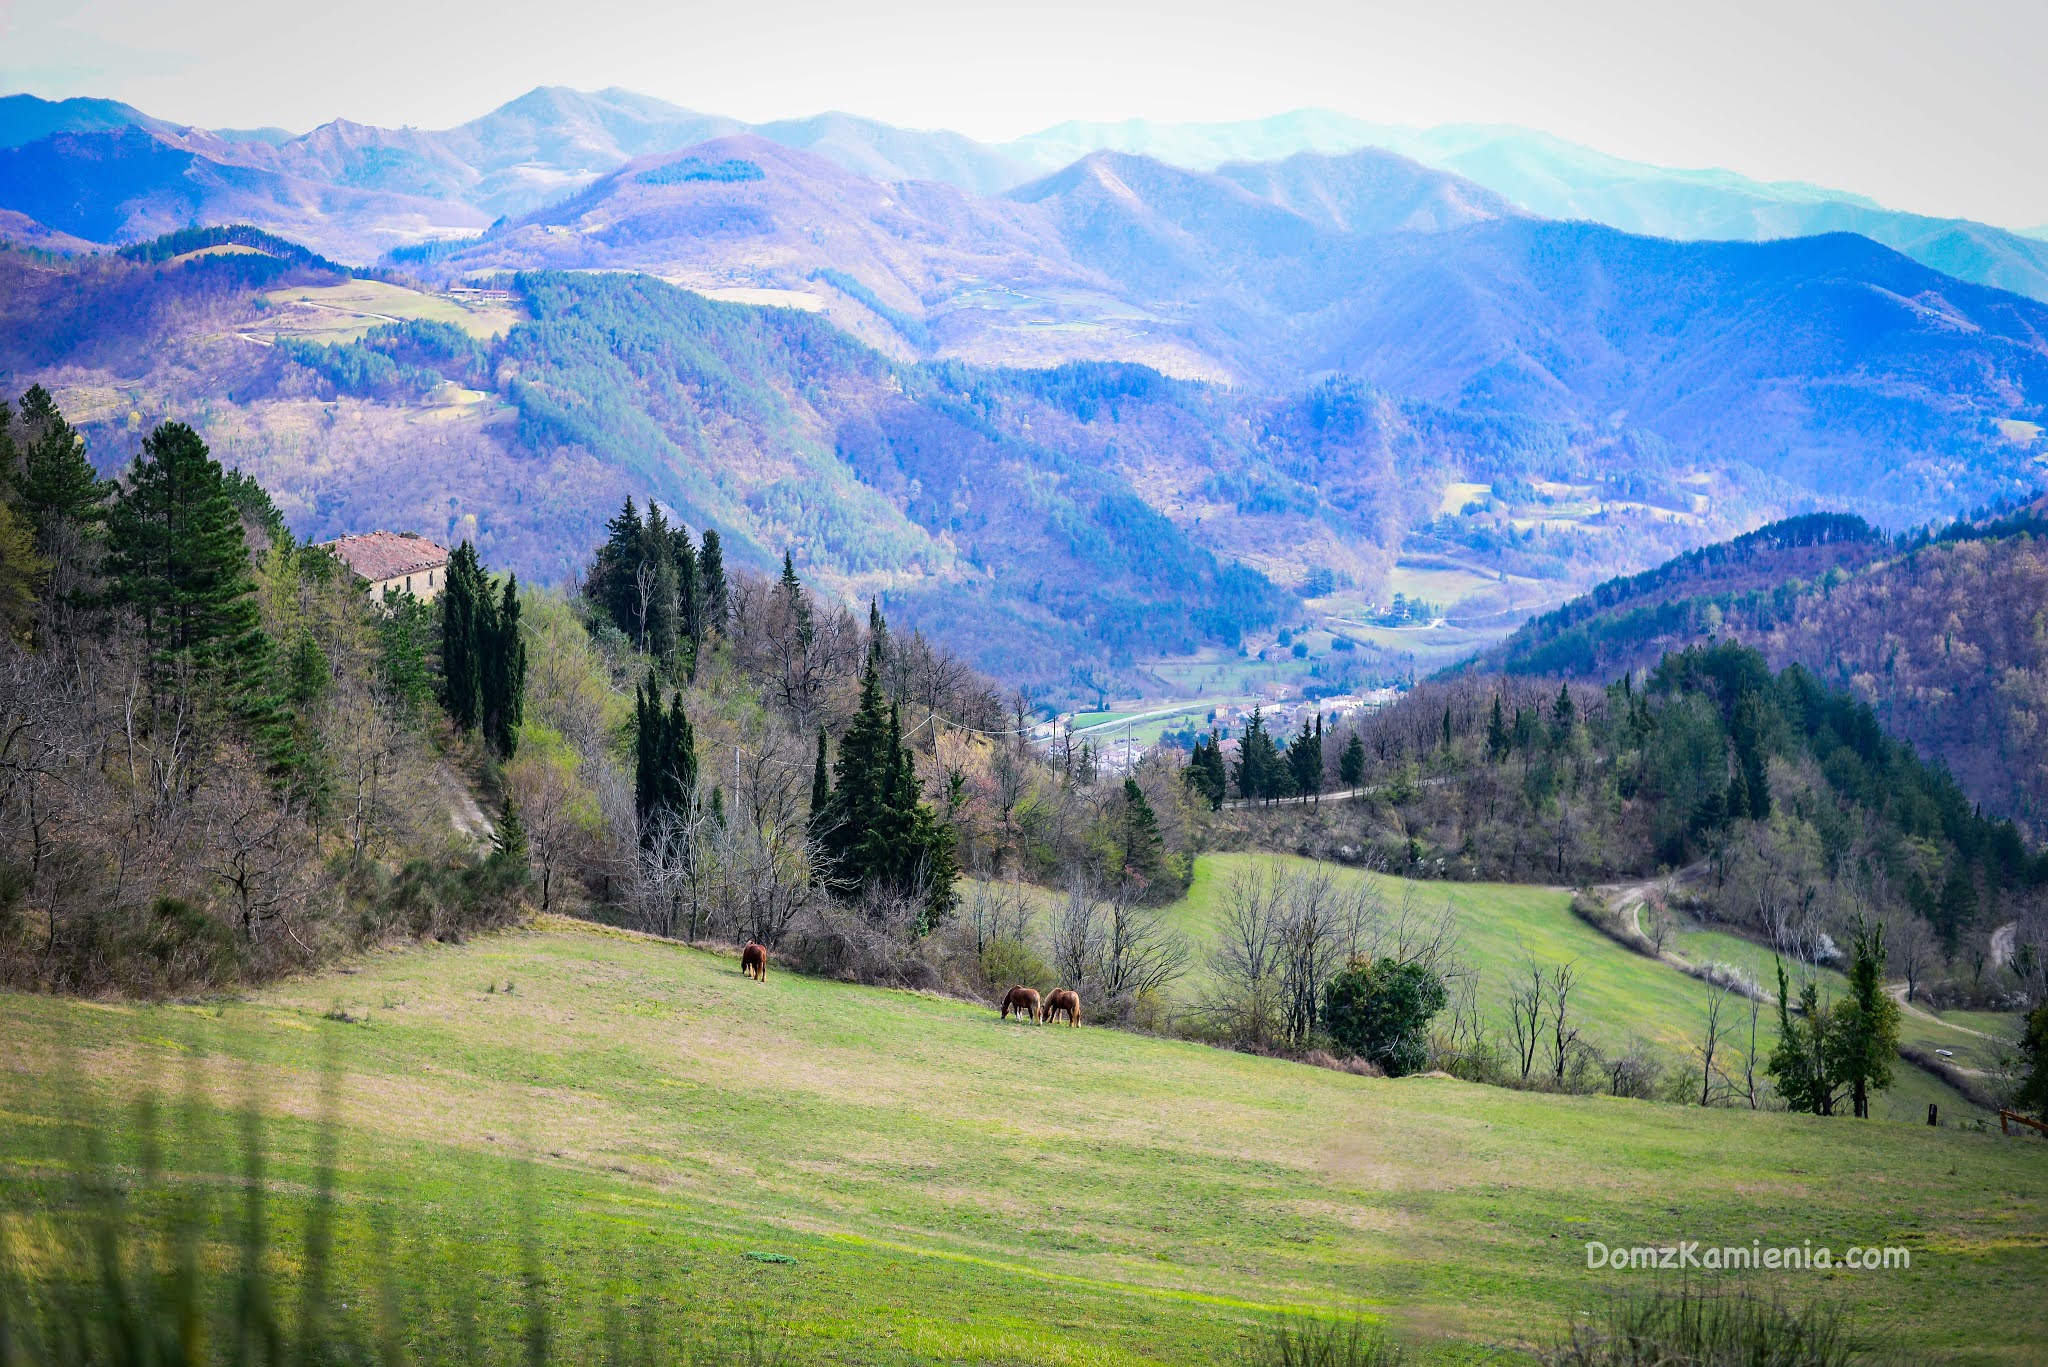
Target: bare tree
1564,1035
1525,1013
1714,1083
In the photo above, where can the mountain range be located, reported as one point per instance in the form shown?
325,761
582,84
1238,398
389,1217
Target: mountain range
419,184
1280,373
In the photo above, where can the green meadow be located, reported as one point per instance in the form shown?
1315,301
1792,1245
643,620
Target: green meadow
951,1188
1621,994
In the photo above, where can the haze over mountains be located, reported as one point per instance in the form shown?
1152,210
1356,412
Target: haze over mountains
553,140
1398,358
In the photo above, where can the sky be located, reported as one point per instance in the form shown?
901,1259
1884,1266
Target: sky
1935,108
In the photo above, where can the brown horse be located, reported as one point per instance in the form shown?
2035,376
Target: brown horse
1022,1000
754,961
1064,1000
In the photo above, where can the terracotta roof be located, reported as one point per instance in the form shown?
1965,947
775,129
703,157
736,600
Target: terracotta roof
386,555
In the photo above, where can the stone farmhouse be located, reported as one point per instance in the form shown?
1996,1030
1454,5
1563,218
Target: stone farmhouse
399,561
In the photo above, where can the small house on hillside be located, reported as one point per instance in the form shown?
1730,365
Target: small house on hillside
400,561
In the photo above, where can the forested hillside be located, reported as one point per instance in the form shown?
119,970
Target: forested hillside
1792,808
1138,514
1943,636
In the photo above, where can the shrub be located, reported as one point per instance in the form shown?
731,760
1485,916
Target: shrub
1705,1328
1299,1341
1012,963
1382,1010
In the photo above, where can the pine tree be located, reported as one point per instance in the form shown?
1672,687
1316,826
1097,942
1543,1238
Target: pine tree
612,583
711,572
1447,728
1351,763
1563,717
1496,734
1205,774
179,561
59,493
663,629
876,833
1138,833
1305,761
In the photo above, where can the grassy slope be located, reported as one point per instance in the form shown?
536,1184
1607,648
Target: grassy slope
1961,1032
953,1187
1622,994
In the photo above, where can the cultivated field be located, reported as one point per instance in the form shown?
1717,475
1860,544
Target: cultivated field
951,1188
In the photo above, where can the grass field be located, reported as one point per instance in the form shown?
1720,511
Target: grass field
344,312
1622,994
1964,1034
955,1189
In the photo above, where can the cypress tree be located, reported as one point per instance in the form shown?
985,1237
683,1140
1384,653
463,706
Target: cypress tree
1252,750
711,571
874,830
502,655
663,629
1752,766
464,601
1205,773
821,785
664,755
1496,733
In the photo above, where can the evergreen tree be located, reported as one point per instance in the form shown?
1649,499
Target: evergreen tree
465,598
1447,728
179,561
1305,760
1802,1064
2033,1092
663,635
1255,754
711,572
821,786
1205,773
503,657
1138,834
59,493
1351,763
402,638
664,756
1752,781
1564,715
612,584
508,838
875,832
1496,734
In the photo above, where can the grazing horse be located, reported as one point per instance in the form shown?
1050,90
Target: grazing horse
1022,1000
1065,1000
754,961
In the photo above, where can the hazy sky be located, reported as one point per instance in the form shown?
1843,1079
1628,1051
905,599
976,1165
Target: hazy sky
1932,107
